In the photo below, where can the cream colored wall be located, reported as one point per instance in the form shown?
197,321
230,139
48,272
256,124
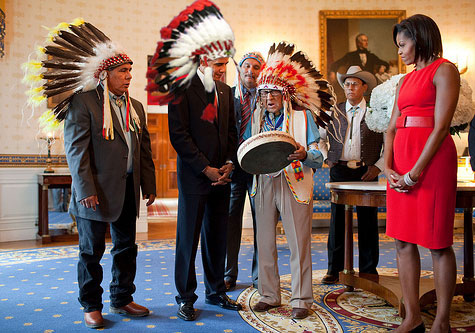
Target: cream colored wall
136,25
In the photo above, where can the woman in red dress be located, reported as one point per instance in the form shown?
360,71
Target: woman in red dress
421,168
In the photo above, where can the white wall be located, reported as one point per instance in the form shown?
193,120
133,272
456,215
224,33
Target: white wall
136,25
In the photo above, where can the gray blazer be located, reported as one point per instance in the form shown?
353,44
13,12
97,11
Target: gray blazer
99,166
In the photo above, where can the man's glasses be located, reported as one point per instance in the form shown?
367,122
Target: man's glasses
351,84
265,93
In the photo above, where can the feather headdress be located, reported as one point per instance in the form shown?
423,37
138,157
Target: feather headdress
302,85
197,32
75,59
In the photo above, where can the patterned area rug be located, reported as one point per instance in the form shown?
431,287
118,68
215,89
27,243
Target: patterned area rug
38,293
335,310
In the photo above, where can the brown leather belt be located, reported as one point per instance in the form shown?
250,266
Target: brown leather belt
414,121
353,164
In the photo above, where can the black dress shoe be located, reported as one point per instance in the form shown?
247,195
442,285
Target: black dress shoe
186,311
229,284
419,329
223,301
330,279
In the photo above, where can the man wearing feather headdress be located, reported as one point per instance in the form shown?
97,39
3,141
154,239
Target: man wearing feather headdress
108,150
291,94
357,158
193,53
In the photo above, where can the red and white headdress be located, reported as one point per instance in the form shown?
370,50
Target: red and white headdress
75,59
197,32
302,85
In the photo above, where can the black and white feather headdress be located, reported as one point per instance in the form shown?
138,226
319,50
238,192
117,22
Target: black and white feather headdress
198,32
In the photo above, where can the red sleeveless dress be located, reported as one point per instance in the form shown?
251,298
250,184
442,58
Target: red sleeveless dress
425,214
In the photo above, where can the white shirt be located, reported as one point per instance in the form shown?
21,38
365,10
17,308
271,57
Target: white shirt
350,151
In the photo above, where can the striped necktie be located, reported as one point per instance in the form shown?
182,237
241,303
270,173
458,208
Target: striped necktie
245,114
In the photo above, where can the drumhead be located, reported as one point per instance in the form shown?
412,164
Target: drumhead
266,152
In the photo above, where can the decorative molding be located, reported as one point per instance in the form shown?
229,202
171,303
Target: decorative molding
29,161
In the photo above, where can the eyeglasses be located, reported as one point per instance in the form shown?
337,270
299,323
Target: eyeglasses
351,84
273,93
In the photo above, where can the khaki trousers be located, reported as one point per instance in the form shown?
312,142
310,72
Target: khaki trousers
274,197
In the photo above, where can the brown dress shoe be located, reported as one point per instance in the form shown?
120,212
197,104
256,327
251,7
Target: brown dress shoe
93,319
299,313
330,279
132,309
263,307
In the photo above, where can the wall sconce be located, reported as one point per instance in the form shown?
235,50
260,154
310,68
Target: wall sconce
459,58
50,139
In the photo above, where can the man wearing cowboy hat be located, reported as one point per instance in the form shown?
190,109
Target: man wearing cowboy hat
358,158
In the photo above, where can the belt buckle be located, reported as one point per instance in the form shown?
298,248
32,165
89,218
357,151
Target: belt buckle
353,164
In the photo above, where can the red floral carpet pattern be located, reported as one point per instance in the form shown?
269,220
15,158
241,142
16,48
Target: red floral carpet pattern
337,311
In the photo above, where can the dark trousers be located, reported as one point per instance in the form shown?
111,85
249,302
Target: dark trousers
205,214
368,239
241,183
124,254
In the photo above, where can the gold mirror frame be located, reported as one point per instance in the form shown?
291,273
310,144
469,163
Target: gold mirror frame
399,15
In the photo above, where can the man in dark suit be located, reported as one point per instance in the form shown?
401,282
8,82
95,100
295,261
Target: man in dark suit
206,150
244,104
357,158
107,174
363,58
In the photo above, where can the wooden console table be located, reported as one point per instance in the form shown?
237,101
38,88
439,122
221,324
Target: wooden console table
373,194
45,182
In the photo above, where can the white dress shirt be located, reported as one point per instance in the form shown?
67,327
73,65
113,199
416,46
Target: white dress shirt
351,150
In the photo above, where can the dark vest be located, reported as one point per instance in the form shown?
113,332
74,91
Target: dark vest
371,142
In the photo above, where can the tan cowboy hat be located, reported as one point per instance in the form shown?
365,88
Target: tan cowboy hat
356,71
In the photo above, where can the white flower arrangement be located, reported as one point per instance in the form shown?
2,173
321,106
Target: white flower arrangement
465,108
382,102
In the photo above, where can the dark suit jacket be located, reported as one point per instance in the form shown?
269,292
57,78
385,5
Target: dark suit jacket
353,59
200,143
237,112
99,166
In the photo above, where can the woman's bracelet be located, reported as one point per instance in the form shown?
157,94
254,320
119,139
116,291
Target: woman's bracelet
408,180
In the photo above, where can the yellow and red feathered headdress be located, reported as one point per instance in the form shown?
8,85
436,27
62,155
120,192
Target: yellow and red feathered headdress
75,59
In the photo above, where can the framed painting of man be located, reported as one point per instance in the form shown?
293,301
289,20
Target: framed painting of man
359,37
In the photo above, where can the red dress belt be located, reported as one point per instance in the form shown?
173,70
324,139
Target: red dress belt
414,121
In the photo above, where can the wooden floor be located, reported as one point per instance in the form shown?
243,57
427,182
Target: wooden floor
165,229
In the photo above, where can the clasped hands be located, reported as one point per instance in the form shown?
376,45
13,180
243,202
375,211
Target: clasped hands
219,176
396,181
